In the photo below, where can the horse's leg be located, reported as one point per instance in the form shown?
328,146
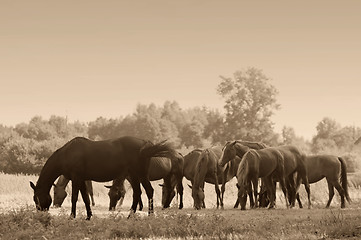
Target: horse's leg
89,189
180,191
255,191
236,204
331,192
299,200
218,192
341,192
85,196
250,194
149,191
271,190
136,193
223,189
307,188
284,190
74,196
168,186
140,202
292,188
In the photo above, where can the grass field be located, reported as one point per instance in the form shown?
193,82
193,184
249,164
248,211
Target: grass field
20,220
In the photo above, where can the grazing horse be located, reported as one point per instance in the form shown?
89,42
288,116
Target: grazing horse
60,193
295,164
268,164
82,159
294,161
208,169
232,154
169,168
334,170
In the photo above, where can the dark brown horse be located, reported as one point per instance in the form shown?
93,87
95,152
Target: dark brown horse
169,168
334,170
232,154
268,164
60,193
82,159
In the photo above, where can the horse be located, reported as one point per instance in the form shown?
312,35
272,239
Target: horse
169,168
60,193
332,168
208,169
268,164
295,165
232,158
294,161
82,159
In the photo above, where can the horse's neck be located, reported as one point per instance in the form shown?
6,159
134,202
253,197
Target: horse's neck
48,175
233,166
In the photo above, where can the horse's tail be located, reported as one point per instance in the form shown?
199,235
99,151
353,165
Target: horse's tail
149,150
344,183
242,167
201,169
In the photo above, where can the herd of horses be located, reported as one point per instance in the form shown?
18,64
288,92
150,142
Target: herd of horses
256,166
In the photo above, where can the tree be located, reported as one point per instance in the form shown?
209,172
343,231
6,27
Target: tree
191,134
214,130
250,101
289,135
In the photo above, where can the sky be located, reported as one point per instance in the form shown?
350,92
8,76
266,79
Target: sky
85,59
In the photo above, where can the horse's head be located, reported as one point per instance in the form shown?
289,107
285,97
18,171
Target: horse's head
198,197
42,199
228,153
59,196
116,193
242,195
168,194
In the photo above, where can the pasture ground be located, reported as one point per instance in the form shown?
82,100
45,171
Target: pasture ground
20,220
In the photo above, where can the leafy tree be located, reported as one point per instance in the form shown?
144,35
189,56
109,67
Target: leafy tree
191,134
214,130
250,103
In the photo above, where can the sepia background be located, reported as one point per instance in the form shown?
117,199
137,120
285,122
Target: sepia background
85,59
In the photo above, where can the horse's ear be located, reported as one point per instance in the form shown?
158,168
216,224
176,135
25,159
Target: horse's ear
32,185
107,186
161,185
190,186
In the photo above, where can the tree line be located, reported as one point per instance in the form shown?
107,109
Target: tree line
250,102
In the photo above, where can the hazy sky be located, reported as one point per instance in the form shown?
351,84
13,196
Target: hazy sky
86,59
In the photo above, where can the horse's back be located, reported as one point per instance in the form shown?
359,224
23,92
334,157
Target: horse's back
99,160
159,167
294,159
268,160
320,166
190,161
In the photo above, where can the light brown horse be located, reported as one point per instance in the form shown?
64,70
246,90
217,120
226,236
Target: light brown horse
265,163
208,169
332,168
232,154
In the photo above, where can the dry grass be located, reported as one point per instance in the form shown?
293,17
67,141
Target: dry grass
18,217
